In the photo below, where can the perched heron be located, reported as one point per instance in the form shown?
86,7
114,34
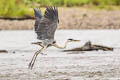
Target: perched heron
45,27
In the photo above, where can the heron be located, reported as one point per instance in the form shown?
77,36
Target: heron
45,27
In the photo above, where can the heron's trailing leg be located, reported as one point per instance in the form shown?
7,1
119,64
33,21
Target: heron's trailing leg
33,61
31,64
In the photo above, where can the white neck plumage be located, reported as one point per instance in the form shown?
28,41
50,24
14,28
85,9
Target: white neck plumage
61,47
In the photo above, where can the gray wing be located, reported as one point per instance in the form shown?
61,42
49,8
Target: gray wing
48,24
38,16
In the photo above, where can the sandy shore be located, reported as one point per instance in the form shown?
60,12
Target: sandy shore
73,18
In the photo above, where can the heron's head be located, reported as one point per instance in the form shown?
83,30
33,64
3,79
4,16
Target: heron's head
73,40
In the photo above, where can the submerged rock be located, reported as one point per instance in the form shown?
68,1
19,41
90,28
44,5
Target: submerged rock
90,47
3,51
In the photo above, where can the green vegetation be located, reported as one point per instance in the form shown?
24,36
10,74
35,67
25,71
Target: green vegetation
24,7
14,8
68,3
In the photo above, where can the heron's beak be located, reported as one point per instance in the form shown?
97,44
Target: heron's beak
76,40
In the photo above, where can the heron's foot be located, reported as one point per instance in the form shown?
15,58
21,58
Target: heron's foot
30,66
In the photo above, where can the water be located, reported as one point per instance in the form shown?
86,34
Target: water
57,64
21,40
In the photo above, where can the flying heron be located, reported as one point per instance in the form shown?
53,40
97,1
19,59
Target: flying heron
45,27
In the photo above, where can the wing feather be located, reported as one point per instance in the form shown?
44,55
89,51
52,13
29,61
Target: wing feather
48,24
38,16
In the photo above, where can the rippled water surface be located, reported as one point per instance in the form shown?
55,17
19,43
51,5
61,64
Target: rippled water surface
58,65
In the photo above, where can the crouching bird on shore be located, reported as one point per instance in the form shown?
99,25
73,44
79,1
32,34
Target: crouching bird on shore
45,27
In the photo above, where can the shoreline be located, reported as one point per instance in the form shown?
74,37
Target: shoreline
72,18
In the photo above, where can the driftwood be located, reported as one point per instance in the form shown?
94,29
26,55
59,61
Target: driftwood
3,51
90,47
17,18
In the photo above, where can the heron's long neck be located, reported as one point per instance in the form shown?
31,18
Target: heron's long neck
62,47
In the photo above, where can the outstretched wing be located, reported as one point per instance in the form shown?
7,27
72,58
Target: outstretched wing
38,16
48,24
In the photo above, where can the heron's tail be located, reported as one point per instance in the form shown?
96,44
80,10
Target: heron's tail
38,43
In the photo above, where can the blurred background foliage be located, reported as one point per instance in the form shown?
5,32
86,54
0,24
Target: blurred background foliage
21,8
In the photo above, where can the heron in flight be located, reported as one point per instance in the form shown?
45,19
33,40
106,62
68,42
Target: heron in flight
45,26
